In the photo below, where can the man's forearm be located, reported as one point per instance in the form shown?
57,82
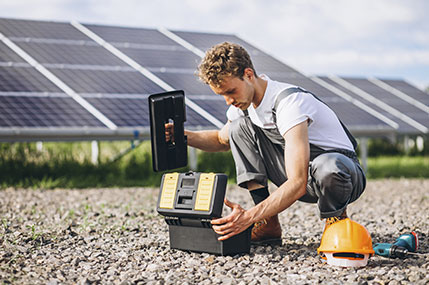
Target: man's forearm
206,140
281,199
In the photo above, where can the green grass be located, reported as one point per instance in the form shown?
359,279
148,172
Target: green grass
398,166
67,165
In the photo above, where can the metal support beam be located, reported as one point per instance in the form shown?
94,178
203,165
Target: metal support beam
39,146
95,152
406,145
363,147
193,158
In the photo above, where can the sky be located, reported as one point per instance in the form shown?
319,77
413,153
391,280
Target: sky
362,38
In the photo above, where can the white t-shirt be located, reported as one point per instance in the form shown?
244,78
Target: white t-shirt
324,128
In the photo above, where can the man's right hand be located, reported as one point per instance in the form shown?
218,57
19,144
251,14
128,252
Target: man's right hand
169,132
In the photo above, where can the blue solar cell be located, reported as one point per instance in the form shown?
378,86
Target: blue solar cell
213,104
403,127
262,61
133,112
113,82
409,89
349,113
393,101
187,82
180,58
195,120
131,35
21,79
126,112
39,29
70,53
45,111
205,41
119,92
8,55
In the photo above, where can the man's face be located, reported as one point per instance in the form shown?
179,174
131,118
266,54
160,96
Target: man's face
236,91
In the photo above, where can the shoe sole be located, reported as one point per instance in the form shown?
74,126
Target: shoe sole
272,242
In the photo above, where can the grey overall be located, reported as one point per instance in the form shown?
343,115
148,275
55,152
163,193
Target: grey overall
335,177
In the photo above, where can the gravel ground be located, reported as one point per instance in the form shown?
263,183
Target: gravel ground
115,236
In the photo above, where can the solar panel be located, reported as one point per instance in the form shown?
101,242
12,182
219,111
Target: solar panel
409,90
107,81
205,41
44,111
214,104
187,82
395,102
402,126
8,55
262,61
351,115
131,35
119,90
134,111
87,53
180,58
24,78
39,29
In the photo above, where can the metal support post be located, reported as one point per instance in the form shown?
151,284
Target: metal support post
363,145
95,152
193,158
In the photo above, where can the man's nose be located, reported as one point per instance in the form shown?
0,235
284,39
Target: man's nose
228,100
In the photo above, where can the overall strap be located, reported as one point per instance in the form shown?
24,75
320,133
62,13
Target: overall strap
293,90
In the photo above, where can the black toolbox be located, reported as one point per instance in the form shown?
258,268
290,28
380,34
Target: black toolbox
188,201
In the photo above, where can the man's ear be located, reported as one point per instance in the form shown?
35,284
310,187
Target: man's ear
248,73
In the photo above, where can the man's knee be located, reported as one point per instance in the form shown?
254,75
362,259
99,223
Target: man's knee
331,169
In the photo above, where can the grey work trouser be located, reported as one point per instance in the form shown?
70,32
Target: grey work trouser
334,179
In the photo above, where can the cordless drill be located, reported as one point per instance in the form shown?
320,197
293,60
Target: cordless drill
404,245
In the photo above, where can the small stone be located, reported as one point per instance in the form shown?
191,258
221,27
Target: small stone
152,267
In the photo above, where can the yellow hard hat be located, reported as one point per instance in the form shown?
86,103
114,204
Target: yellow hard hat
346,243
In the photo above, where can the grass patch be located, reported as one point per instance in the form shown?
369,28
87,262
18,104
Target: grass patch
398,166
67,165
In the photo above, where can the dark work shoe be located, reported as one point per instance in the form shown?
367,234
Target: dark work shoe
267,232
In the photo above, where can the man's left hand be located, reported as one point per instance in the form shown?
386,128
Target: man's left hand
233,224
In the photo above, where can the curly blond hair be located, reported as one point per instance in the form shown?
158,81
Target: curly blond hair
224,59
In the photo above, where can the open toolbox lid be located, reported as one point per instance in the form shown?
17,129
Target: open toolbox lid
164,108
